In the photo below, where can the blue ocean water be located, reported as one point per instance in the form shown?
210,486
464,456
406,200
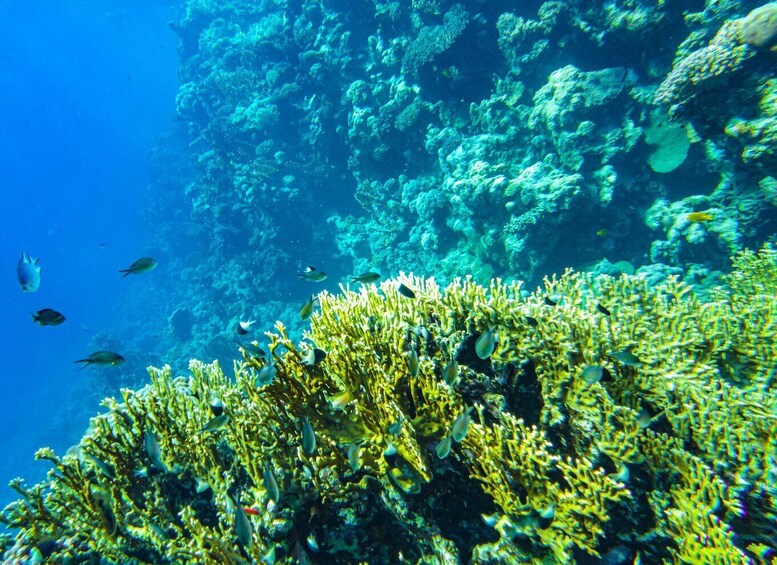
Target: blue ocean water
86,86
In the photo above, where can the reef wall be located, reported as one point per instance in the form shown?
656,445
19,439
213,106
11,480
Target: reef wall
450,139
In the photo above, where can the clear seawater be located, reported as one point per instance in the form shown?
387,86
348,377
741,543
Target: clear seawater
87,87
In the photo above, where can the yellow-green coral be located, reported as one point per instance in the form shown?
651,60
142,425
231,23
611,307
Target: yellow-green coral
548,457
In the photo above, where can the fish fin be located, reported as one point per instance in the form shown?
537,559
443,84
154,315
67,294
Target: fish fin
126,272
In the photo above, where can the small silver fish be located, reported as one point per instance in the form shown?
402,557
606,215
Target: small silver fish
485,344
271,485
308,437
215,424
644,419
413,363
253,350
265,375
306,310
269,557
354,456
366,278
142,265
626,357
546,516
623,474
153,451
490,520
312,542
395,428
461,425
312,274
242,525
106,468
28,273
592,374
451,372
443,448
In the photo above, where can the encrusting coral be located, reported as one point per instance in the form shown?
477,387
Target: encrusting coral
602,415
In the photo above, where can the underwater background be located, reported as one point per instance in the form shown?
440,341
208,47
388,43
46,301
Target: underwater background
318,163
88,88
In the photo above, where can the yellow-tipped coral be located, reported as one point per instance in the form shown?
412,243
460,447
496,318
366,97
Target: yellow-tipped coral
595,414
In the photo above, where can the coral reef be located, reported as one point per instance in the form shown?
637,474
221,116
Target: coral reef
449,138
604,416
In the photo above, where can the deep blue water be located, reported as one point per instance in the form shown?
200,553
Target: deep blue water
86,89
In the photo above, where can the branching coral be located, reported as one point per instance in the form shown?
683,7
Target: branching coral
355,433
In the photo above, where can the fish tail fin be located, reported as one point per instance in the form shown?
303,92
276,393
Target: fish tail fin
85,362
126,272
35,318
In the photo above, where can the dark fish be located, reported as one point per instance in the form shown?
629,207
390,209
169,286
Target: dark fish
626,357
549,302
48,317
102,499
28,273
312,274
313,357
102,358
602,309
306,310
485,344
366,278
216,406
253,350
243,327
531,321
142,265
405,291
